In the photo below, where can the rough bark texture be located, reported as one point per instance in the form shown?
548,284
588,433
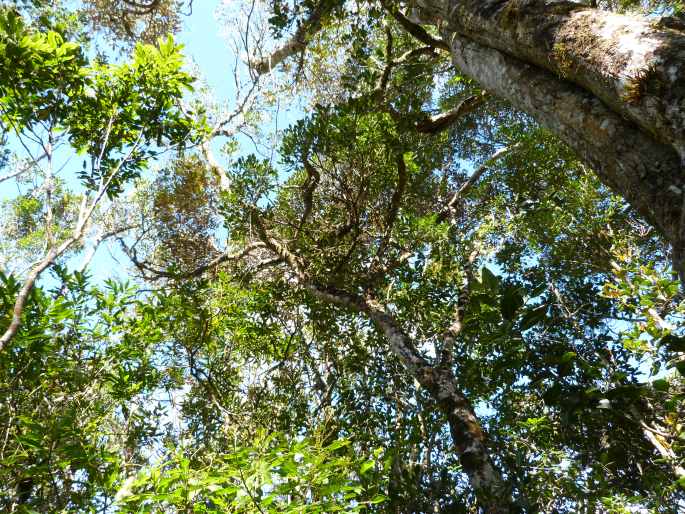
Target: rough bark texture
636,66
493,493
611,86
648,174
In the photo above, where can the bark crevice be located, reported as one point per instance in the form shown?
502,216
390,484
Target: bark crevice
636,66
647,173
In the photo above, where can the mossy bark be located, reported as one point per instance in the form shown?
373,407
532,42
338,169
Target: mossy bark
494,493
610,55
611,86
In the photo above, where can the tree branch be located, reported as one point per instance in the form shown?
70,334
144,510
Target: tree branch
439,122
313,178
84,216
224,257
394,208
467,435
299,40
449,209
415,30
454,330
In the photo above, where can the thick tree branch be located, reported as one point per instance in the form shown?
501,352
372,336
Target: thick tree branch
646,173
280,249
470,444
492,491
385,76
442,121
632,64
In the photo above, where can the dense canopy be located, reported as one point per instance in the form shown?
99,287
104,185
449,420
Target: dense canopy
407,257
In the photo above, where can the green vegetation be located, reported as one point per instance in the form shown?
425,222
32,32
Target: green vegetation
412,299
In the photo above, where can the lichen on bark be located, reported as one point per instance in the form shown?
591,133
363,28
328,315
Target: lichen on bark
603,53
611,86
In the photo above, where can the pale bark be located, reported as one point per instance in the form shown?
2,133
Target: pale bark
84,217
635,65
298,42
611,86
648,174
493,492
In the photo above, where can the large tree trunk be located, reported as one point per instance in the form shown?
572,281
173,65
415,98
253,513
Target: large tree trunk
611,86
648,174
634,65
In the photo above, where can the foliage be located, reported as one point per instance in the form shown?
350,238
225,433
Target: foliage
274,475
263,357
68,384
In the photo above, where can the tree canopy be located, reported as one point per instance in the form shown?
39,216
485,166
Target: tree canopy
451,282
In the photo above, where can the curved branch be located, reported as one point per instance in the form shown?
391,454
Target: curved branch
417,31
299,40
200,270
313,178
436,124
84,216
469,440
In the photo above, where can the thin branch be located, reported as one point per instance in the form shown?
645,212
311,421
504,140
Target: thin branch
99,239
49,187
661,446
23,168
385,76
415,52
141,8
280,249
417,31
449,210
54,253
454,330
394,207
313,178
200,270
299,40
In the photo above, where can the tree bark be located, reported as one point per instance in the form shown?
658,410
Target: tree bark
611,86
493,492
647,173
634,65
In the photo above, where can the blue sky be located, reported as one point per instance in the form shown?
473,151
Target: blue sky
205,46
209,52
